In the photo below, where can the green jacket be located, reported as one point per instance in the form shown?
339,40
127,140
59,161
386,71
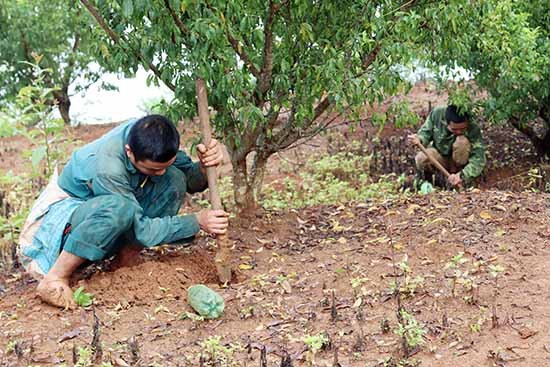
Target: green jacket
435,131
102,167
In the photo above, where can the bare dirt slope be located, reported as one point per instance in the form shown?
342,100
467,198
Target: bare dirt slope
294,264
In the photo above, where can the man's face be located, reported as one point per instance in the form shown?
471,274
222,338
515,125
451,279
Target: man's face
457,128
148,167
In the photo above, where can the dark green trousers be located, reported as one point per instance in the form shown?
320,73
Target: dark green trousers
102,225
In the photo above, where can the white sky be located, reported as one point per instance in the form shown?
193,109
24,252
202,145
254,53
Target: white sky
100,106
97,106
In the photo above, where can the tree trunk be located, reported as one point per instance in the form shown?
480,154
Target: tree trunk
63,104
542,145
247,184
544,149
257,176
244,195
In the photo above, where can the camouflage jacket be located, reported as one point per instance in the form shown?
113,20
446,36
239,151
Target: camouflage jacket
435,132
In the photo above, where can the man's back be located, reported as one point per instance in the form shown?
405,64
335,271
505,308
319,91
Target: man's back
78,175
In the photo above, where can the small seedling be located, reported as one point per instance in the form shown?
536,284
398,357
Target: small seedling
314,344
409,284
357,282
190,316
84,357
454,265
410,331
246,312
217,353
10,347
495,271
260,281
82,298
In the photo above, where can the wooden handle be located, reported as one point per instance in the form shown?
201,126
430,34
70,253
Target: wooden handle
204,117
223,255
434,161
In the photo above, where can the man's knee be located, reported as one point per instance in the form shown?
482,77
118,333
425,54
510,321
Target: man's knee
174,184
97,224
114,211
422,161
461,150
121,210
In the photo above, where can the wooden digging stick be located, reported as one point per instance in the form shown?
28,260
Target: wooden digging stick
223,256
434,161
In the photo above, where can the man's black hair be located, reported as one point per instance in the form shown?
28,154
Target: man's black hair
453,115
154,138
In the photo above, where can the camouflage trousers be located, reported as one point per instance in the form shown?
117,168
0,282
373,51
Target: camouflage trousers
458,159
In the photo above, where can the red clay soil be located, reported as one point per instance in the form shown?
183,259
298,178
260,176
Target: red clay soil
294,263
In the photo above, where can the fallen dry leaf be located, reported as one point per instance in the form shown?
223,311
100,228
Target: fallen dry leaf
526,332
485,215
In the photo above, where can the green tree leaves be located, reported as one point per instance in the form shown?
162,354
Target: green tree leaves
279,70
58,32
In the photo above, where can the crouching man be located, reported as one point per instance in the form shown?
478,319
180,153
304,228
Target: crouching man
454,141
116,195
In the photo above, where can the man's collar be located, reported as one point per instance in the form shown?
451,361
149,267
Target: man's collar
129,166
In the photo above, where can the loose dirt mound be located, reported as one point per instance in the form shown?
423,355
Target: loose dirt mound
166,275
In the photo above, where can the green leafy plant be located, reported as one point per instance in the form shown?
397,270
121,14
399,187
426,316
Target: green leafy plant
314,344
330,179
410,330
58,30
218,354
495,271
454,266
85,355
409,284
510,57
82,298
34,109
280,72
190,316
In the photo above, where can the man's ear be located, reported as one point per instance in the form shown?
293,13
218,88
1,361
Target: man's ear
129,152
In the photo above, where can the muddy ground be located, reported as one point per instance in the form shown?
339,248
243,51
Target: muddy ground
296,262
328,270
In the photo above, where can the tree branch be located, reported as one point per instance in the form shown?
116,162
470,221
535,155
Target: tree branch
71,61
371,56
288,134
117,40
264,83
242,54
237,47
183,29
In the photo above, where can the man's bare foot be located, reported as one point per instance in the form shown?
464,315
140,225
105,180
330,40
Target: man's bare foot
56,292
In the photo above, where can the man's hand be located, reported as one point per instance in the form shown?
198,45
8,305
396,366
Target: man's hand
213,221
413,139
455,180
211,156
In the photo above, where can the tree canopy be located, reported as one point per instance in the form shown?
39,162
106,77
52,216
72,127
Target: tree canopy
506,46
56,32
278,71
